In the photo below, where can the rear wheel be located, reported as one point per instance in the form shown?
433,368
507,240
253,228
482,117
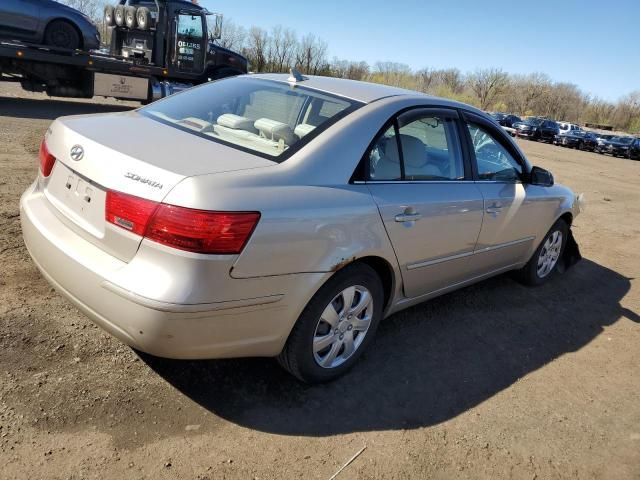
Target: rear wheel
130,17
62,34
543,265
108,16
118,15
336,326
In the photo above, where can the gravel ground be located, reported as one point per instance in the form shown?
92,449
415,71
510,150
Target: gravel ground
493,381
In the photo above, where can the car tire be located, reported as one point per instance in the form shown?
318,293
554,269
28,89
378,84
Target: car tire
130,17
543,264
326,330
144,19
62,34
108,16
580,146
118,15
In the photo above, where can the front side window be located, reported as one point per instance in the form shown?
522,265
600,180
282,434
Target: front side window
493,160
265,117
190,26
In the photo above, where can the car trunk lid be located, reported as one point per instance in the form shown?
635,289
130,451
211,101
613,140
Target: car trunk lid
127,153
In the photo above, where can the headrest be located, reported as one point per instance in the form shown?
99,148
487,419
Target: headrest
273,130
236,122
412,149
303,129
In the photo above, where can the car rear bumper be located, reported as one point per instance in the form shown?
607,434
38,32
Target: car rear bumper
254,326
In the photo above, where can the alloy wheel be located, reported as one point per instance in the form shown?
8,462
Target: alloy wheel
549,254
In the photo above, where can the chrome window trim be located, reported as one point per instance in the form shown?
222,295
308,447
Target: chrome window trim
395,182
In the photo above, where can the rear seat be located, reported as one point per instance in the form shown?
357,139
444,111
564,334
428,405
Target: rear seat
265,133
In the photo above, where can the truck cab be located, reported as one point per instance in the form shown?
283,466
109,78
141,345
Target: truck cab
138,30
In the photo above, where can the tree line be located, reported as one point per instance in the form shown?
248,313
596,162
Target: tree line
492,89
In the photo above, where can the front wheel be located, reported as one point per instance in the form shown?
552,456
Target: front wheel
543,265
336,326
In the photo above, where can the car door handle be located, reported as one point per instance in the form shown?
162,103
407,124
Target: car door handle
408,217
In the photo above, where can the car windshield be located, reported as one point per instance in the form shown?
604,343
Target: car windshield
534,121
624,140
498,116
265,117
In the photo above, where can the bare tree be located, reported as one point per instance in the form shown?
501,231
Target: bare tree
487,84
282,49
232,36
311,55
91,8
256,48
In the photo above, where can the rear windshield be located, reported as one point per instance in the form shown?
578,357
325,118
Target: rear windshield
264,117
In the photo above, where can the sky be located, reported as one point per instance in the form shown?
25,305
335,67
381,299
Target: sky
593,44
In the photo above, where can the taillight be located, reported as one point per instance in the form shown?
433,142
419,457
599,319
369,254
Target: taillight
46,159
129,212
199,231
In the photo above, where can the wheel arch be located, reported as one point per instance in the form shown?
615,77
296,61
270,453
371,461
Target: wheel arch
385,272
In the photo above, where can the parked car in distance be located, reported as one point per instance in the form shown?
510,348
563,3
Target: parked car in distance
536,128
256,225
47,22
505,119
567,127
577,139
618,146
634,150
602,141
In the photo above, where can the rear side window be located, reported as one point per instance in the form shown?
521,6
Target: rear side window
269,118
425,148
430,148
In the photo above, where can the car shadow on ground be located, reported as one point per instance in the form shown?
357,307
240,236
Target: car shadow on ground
427,364
50,109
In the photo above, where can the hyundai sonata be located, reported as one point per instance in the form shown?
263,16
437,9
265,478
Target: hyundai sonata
284,216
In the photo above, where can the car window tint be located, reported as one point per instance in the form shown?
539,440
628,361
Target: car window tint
384,158
430,150
493,160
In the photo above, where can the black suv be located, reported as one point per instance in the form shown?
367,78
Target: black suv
505,119
537,129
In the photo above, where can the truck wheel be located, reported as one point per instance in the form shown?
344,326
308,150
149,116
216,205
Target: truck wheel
62,34
144,19
130,17
108,15
118,15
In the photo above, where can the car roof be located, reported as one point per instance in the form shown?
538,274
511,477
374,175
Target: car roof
353,89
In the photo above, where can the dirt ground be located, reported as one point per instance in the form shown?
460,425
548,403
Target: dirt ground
494,381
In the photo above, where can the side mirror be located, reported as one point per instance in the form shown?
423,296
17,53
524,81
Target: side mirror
215,33
540,176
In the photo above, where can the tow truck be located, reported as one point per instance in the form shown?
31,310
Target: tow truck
173,50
